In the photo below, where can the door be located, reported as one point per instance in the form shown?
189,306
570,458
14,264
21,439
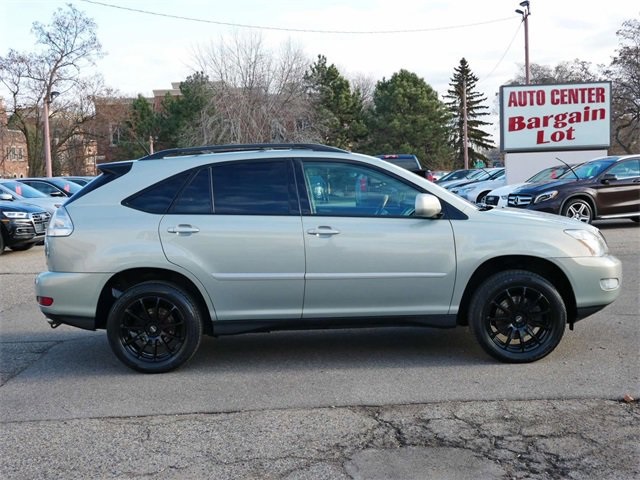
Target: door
621,194
237,227
366,254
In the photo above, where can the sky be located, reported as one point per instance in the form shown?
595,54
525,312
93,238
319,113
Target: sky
370,38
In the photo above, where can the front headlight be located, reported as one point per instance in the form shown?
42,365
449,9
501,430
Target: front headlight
16,214
543,197
595,243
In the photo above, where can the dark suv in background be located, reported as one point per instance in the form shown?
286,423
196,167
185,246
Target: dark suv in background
603,188
21,225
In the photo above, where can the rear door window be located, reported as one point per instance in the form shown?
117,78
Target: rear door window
254,188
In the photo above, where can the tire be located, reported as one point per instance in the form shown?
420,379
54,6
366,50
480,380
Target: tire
154,327
480,198
517,316
2,243
578,209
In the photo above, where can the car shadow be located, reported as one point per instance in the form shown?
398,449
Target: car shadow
621,223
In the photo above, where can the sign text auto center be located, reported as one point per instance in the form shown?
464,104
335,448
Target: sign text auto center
555,117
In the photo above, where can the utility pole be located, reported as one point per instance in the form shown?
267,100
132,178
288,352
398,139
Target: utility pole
525,12
465,133
48,98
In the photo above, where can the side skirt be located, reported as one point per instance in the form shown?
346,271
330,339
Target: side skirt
235,327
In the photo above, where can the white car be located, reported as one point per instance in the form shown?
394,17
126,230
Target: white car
499,196
476,192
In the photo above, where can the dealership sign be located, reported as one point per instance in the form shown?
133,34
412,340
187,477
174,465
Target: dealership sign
573,116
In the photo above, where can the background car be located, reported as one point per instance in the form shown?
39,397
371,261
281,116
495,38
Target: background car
21,225
478,175
80,180
475,192
24,193
455,175
438,174
408,162
499,196
607,187
53,186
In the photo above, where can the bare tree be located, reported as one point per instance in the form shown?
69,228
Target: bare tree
625,74
53,75
257,94
366,85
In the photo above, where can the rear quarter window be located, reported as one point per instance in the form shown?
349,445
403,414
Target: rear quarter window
158,197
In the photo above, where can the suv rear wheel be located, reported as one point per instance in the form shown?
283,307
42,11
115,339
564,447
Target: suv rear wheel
517,316
154,327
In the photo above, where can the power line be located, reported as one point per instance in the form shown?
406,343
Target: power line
298,30
503,55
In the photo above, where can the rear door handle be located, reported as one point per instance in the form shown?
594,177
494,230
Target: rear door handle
183,229
322,231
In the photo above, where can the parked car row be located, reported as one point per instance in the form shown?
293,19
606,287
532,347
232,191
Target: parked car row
27,205
603,188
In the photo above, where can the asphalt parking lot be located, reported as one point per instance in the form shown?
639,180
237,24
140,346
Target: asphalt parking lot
398,403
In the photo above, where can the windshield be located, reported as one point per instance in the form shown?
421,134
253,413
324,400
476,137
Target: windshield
23,190
455,175
66,185
592,169
547,174
486,174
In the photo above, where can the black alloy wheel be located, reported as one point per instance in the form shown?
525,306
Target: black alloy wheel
578,209
154,327
517,316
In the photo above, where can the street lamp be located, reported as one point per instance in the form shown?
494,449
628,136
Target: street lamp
525,12
47,140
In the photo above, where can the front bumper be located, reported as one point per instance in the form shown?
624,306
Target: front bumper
596,282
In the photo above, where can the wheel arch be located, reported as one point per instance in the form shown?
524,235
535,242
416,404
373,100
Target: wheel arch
540,266
581,196
128,278
483,193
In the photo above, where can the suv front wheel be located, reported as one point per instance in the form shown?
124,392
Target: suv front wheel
154,327
578,209
517,316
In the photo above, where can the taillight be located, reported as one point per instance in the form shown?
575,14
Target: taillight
45,301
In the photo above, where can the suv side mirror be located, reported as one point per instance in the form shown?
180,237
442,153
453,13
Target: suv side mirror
6,196
607,177
427,205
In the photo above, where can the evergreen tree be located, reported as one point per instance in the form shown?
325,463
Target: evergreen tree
141,125
183,118
408,117
461,92
338,110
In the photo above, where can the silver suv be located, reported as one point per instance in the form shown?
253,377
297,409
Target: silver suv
231,239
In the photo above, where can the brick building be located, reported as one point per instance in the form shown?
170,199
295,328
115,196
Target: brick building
13,149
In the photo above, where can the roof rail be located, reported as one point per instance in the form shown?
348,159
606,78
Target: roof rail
174,152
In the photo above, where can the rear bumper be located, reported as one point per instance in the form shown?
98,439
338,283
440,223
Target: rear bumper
75,296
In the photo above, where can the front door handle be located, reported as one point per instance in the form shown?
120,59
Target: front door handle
183,229
322,231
